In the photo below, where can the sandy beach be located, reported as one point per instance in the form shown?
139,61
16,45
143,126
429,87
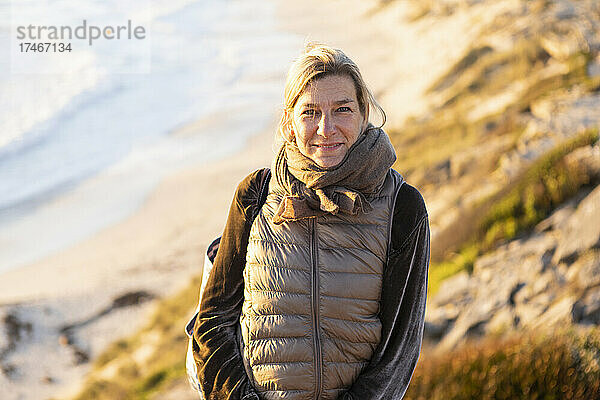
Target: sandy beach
149,255
104,287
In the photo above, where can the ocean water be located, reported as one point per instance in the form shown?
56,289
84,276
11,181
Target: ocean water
85,136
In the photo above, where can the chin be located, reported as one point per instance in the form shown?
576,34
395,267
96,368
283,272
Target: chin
328,160
328,163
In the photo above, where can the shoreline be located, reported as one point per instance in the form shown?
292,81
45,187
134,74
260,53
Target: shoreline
150,224
171,216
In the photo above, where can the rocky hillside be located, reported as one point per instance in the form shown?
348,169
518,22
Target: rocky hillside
547,279
513,200
529,82
508,160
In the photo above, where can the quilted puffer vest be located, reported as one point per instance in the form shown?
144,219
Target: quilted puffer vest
309,321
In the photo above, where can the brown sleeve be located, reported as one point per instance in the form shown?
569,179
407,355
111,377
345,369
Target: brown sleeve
403,296
221,371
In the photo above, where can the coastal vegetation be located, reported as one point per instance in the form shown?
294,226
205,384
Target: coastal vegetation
562,365
548,183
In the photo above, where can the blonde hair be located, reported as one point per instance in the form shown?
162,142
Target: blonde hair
319,61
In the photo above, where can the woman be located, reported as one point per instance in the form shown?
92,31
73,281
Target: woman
322,294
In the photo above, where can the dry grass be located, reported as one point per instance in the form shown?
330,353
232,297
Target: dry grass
555,366
483,74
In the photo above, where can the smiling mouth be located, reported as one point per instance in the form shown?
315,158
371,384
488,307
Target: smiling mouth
328,146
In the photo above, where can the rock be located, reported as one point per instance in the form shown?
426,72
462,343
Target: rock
471,321
510,164
508,287
587,310
471,158
8,370
557,219
460,162
532,265
490,260
585,271
515,252
588,159
583,229
63,340
438,320
555,120
516,286
434,331
543,109
15,327
527,312
515,290
4,341
81,356
454,289
503,321
575,115
593,68
15,330
560,313
439,173
560,47
132,299
564,10
547,277
533,288
490,293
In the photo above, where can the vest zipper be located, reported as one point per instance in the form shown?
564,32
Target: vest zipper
315,308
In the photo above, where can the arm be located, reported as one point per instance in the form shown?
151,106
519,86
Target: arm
403,298
220,367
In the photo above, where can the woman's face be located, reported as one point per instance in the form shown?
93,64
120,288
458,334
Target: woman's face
327,120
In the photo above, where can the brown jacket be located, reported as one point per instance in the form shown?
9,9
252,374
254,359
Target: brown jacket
401,305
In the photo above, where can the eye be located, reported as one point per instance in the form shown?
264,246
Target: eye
344,109
308,112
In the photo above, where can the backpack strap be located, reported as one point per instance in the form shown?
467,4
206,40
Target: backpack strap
265,178
211,253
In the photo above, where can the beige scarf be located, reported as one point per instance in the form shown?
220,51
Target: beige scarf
347,187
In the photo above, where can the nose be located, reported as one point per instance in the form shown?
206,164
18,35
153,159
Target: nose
326,125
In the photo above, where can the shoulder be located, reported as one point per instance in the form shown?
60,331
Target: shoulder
410,213
410,204
249,189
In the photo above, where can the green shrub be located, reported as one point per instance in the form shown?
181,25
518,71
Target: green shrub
155,381
463,261
549,182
